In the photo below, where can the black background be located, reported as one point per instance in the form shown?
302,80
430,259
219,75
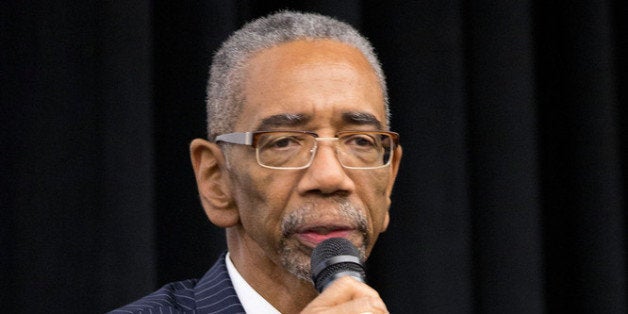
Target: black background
512,116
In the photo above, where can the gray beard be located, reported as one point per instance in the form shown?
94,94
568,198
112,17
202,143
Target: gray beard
293,258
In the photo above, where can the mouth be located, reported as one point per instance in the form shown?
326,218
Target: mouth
312,236
315,222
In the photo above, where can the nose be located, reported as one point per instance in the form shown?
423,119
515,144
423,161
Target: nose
326,175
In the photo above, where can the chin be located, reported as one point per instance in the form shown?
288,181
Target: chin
296,259
296,262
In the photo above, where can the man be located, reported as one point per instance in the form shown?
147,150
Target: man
299,151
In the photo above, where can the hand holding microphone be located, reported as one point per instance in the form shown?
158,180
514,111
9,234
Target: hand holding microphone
339,276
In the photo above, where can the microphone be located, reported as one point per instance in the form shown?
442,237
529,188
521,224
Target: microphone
334,258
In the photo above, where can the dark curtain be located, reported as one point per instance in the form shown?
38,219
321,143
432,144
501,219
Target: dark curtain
512,116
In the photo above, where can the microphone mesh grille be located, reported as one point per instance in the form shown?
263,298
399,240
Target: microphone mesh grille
333,247
328,249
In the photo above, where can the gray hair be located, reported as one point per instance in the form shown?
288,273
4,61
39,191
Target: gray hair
224,91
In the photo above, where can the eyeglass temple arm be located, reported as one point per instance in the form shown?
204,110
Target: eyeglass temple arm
244,138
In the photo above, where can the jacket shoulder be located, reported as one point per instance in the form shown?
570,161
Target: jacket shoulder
213,293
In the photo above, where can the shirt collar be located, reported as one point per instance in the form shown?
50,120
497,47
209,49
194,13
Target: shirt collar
252,302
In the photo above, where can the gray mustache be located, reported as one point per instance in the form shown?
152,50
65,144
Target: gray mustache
343,210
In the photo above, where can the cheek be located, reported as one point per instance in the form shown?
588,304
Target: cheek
373,190
375,183
261,198
250,182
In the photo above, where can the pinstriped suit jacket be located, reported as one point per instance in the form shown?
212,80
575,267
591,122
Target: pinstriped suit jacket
214,293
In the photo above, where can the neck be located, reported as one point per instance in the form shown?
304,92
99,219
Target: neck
264,273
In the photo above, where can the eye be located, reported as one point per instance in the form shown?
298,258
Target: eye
281,142
362,141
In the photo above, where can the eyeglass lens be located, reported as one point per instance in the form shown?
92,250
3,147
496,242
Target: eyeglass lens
296,150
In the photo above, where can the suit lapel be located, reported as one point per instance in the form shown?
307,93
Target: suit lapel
214,293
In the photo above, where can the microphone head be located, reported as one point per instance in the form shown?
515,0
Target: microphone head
334,258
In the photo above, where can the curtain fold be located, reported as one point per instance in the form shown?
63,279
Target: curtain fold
512,115
584,213
77,104
504,167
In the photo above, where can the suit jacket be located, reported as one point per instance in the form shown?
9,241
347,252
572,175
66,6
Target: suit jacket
214,293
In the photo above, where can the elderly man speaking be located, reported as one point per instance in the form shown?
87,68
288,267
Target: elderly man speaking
298,151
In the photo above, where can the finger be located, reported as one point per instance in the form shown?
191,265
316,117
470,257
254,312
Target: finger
347,295
362,305
345,289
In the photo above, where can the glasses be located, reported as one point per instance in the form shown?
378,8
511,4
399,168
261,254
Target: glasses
296,149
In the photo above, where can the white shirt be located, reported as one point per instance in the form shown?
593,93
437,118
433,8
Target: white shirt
252,302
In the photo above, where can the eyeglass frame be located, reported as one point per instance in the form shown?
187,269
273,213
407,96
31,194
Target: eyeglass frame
250,139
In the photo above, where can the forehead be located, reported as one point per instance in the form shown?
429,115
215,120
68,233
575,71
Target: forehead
319,83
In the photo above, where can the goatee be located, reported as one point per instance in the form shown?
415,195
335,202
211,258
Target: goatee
294,256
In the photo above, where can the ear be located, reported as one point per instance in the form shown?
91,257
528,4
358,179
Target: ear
394,169
386,221
213,185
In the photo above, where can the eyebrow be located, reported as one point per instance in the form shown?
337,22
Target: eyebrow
282,120
361,118
296,119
